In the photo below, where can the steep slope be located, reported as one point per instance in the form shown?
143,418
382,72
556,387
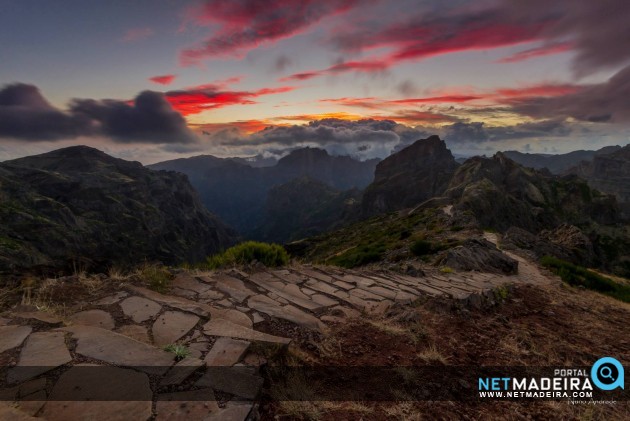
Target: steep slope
304,207
560,163
417,173
78,204
237,192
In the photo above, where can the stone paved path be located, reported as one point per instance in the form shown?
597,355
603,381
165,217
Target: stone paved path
115,348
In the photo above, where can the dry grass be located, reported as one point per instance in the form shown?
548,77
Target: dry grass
118,274
405,410
330,347
432,355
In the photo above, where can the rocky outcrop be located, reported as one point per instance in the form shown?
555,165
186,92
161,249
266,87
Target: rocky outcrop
478,255
501,194
558,163
81,205
405,179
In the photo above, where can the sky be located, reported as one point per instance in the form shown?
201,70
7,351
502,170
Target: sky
151,80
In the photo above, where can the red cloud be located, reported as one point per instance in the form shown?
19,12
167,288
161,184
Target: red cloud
246,24
206,97
545,50
246,126
163,80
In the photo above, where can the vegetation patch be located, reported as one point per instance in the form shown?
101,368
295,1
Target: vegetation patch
180,351
580,276
270,255
358,256
157,277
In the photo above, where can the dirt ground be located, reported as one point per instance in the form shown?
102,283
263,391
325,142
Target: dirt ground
554,325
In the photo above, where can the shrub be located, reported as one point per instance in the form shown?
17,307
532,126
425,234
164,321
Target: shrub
270,255
358,256
157,277
422,248
579,276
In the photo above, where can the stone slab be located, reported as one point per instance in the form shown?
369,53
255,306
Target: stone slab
233,287
41,316
188,282
190,405
140,309
13,336
222,327
172,326
231,380
114,348
181,371
226,352
98,318
111,299
135,332
42,352
100,393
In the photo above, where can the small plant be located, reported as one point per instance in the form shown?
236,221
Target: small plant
358,256
270,255
501,293
422,247
446,269
157,277
180,351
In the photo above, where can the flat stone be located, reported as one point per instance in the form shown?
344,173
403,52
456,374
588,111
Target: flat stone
34,403
358,280
190,405
258,318
233,413
100,393
200,309
321,287
4,322
221,327
307,291
13,336
9,412
140,309
224,303
42,352
323,300
315,274
114,348
343,285
135,332
98,318
183,293
186,281
365,295
289,292
211,295
111,299
231,380
40,316
31,387
171,326
181,371
233,287
288,276
198,348
226,352
347,312
268,306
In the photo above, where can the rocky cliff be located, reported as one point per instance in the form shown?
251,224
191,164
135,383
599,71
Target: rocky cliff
80,205
414,174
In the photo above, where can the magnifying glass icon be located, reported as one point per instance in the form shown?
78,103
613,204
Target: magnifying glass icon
606,373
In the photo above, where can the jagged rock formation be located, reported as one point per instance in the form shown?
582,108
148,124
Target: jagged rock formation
304,207
417,173
478,255
501,194
557,163
237,192
80,204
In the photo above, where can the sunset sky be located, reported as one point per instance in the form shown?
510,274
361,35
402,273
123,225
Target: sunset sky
151,80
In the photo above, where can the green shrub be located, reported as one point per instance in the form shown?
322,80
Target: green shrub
358,256
579,276
157,277
422,248
270,255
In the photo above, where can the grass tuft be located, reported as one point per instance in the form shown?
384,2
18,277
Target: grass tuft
180,351
157,277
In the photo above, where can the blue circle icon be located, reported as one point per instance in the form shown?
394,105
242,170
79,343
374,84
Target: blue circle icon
608,374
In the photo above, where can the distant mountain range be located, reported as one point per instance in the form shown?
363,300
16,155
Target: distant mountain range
79,206
557,164
237,192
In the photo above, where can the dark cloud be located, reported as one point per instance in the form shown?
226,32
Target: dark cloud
25,114
149,119
281,63
603,102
